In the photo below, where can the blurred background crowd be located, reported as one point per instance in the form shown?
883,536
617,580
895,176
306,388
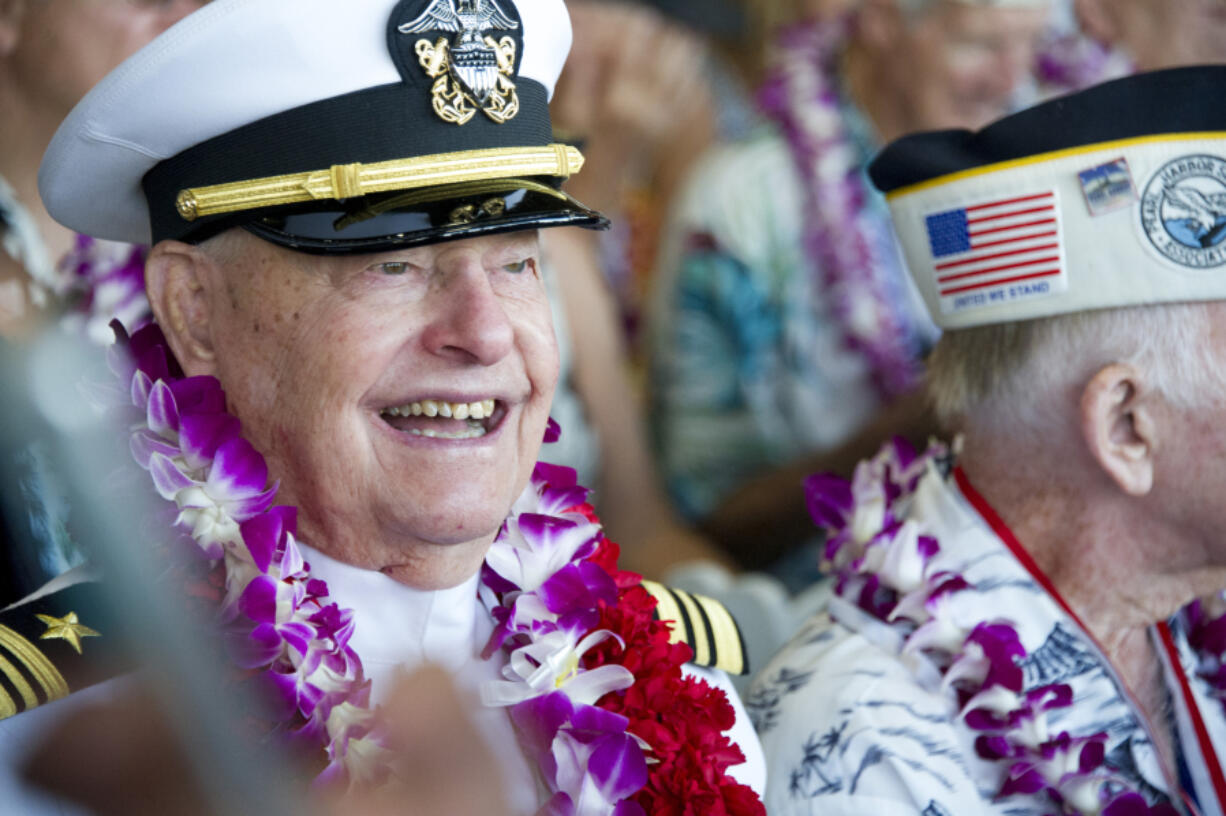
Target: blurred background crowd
746,321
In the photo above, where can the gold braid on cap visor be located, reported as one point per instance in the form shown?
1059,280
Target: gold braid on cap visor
343,181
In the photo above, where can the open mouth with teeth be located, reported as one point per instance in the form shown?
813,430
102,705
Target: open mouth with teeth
439,419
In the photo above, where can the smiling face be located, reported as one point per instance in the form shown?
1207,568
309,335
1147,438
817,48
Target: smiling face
343,371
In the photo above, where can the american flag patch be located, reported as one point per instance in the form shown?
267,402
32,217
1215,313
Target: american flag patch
997,252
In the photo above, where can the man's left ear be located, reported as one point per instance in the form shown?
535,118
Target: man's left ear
1119,426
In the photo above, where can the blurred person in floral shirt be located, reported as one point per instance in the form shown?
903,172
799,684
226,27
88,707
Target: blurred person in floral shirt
782,325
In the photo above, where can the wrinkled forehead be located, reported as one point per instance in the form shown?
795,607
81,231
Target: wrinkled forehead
241,254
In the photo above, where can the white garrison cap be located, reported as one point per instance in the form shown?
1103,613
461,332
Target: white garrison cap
1114,196
271,112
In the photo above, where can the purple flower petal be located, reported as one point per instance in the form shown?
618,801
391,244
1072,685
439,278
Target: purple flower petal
144,444
140,388
618,767
259,600
829,499
199,395
1092,754
1003,649
162,413
238,470
593,720
254,650
1023,778
200,435
577,587
538,721
554,475
264,534
494,581
297,635
552,431
167,477
995,747
1046,698
284,700
628,807
248,506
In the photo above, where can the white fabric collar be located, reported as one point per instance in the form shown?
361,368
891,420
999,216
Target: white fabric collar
401,627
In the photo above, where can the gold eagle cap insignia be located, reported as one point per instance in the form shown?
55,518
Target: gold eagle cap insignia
474,70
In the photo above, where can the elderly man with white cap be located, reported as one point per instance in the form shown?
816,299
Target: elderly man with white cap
349,382
1031,620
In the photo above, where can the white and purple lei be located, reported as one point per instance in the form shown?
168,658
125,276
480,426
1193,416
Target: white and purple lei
279,621
802,95
883,563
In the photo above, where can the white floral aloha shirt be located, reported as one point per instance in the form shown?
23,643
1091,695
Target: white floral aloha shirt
745,349
848,729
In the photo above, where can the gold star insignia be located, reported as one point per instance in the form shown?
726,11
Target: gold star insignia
66,628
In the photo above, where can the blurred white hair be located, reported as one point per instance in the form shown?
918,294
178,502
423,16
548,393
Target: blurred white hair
1025,373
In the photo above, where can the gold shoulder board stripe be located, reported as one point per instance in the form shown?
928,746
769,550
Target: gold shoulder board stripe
705,624
24,667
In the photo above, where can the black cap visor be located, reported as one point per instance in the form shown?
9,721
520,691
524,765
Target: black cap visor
385,221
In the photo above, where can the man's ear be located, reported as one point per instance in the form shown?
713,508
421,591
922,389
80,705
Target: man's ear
1096,19
1120,428
177,279
11,12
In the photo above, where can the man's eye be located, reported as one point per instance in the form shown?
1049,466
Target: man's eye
516,267
394,268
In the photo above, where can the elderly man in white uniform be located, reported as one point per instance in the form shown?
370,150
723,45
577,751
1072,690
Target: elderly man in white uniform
343,201
1031,620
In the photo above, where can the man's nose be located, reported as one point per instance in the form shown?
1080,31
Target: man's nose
468,321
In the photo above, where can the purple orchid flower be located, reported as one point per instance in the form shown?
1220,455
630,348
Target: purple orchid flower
534,547
589,761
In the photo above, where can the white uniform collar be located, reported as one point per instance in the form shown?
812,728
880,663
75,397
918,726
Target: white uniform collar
401,627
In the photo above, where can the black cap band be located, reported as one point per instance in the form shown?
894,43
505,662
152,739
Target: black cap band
1179,100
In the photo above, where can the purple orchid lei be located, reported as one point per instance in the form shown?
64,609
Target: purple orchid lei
105,281
801,94
537,583
884,567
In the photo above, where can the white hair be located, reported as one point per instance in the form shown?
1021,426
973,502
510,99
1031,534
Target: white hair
1023,373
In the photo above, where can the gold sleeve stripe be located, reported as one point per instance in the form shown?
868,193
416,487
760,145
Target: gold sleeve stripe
705,624
343,181
701,639
8,706
727,635
667,609
35,662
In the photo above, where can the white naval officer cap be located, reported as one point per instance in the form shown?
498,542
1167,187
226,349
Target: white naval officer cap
327,126
1114,196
